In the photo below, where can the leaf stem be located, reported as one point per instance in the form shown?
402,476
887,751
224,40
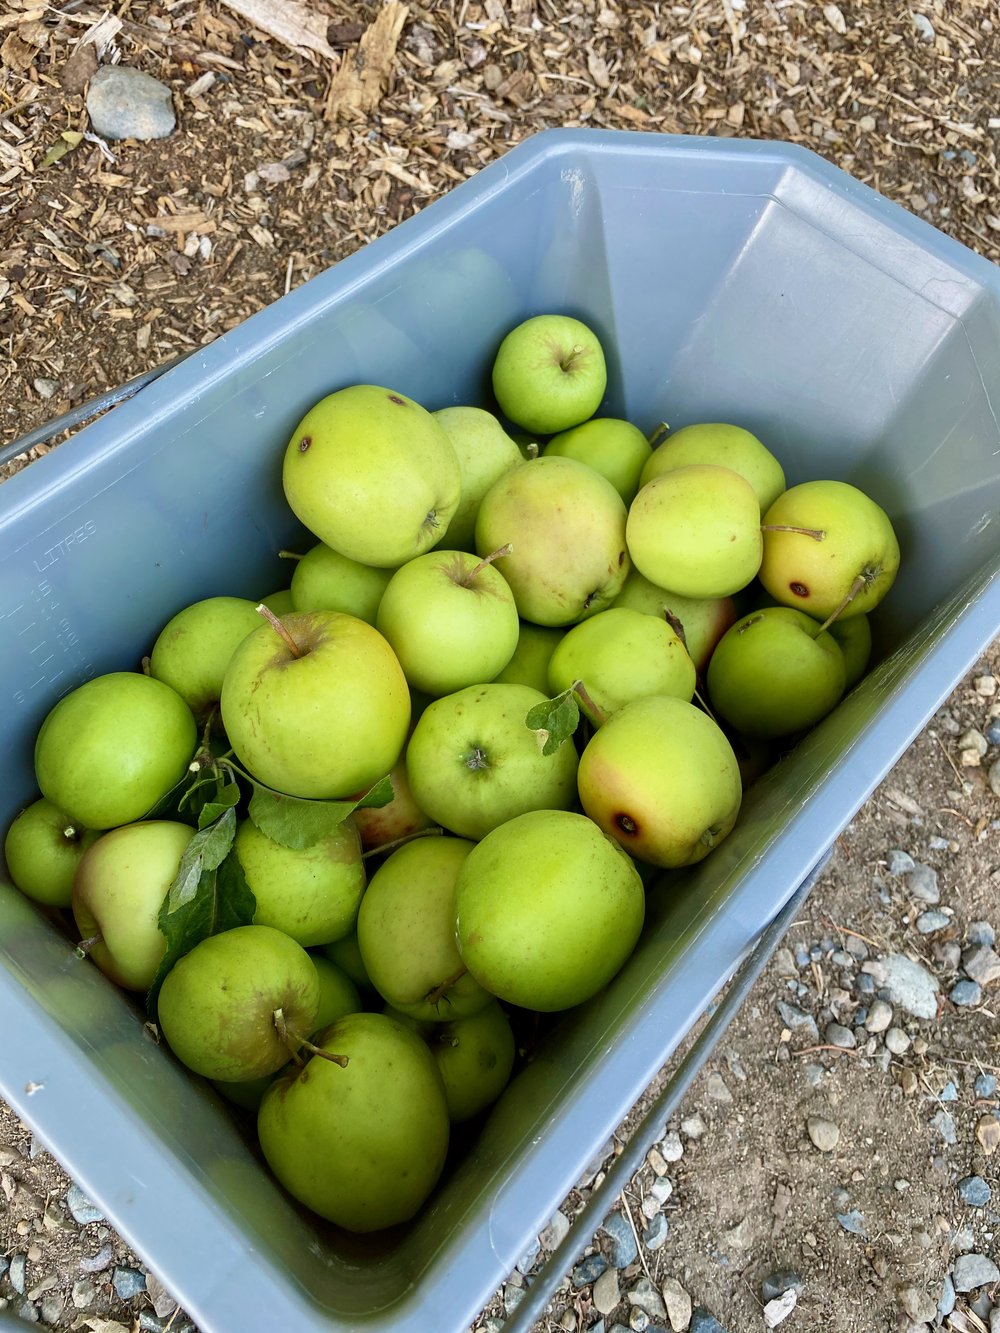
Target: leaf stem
598,715
398,842
279,628
817,534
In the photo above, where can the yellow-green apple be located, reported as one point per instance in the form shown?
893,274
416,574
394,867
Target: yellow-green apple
853,635
829,550
311,893
239,1003
548,908
325,580
338,994
473,762
279,602
399,818
118,890
451,620
775,672
530,663
110,750
662,779
550,374
621,655
193,649
43,848
347,956
704,620
696,531
316,705
475,1056
724,446
406,932
372,474
614,448
566,525
485,452
361,1145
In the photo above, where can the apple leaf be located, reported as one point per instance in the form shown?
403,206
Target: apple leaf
225,799
299,823
555,720
209,894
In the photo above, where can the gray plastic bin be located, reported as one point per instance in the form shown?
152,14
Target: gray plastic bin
731,281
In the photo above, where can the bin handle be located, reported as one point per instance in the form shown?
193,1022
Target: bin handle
603,1199
92,408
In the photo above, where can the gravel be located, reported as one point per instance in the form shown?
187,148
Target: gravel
970,1271
128,104
974,1191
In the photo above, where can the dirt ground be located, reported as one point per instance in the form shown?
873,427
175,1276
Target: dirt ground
114,258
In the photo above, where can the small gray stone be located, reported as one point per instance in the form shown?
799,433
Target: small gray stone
949,1093
995,1319
556,1231
82,1210
856,947
678,1304
854,1222
128,104
824,1133
693,1127
993,776
715,1086
944,1123
656,1233
51,1307
970,1271
671,1146
982,964
842,958
985,1086
922,883
966,994
606,1293
981,932
780,1281
128,1282
974,1191
638,1320
899,862
661,1189
911,986
97,1263
897,1041
512,1298
797,1020
929,922
784,962
916,1303
589,1270
703,1322
778,1310
645,1296
16,1273
879,1016
946,1301
528,1259
974,740
623,1246
83,1293
28,1312
837,1035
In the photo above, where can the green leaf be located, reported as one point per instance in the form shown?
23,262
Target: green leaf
206,851
220,899
381,794
299,823
555,720
225,799
67,141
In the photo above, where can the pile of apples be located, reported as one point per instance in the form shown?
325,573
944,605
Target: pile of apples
337,838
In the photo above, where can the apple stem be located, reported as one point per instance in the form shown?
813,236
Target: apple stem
817,534
289,555
657,436
438,993
501,551
531,449
859,583
701,699
278,628
398,842
145,665
294,1042
598,714
70,833
341,1060
85,946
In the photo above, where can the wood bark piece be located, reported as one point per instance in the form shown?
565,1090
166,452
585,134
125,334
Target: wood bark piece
363,75
296,25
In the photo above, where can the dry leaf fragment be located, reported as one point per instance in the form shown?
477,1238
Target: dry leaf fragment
598,68
835,18
67,141
295,24
80,68
363,74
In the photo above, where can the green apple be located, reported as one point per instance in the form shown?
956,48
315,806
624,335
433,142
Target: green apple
550,373
373,475
473,762
475,1056
566,524
724,446
118,890
621,655
406,932
696,531
853,636
346,955
775,672
110,750
614,448
311,893
400,818
829,550
279,602
338,994
704,620
451,620
662,779
547,910
42,849
318,707
530,663
325,580
485,452
193,649
362,1145
239,1003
